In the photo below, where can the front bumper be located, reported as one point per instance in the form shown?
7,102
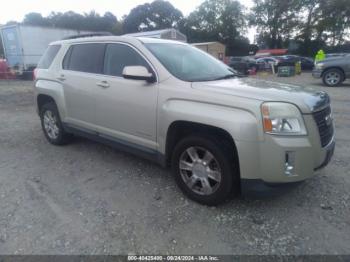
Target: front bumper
317,73
269,160
261,188
330,148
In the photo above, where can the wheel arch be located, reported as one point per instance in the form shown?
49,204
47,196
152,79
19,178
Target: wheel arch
43,99
49,90
180,129
334,67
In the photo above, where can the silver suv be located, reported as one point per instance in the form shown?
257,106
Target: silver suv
172,103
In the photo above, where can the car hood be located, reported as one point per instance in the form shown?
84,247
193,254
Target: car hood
335,58
307,99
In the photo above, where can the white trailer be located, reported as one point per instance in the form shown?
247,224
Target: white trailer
25,44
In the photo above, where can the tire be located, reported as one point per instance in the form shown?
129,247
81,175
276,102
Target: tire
194,181
333,77
50,120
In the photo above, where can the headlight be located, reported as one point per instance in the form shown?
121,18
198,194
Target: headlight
319,65
282,119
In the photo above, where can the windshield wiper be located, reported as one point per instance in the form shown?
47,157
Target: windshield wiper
226,76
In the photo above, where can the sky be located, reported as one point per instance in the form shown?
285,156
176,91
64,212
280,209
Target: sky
15,10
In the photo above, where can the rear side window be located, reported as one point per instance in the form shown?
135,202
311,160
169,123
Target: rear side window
86,58
49,55
119,56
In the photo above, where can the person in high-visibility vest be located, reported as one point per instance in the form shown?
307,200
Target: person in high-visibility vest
320,55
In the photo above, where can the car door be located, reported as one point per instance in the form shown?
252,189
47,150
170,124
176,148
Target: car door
125,108
266,63
347,65
82,69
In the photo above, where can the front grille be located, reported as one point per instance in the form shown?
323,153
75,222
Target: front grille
325,125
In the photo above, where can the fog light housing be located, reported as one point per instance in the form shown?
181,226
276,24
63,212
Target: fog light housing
289,165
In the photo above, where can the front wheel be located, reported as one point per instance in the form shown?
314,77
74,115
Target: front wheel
204,170
333,77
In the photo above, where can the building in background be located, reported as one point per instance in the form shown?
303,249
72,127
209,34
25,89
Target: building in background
216,49
271,52
170,33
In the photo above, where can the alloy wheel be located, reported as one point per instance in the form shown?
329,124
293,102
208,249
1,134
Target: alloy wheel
333,78
200,170
51,125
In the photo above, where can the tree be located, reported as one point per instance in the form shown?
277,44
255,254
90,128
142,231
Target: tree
307,27
313,24
11,22
159,14
218,20
322,23
35,19
275,20
110,23
91,21
94,22
68,19
335,22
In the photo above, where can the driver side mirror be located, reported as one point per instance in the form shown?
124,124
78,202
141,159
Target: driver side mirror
138,73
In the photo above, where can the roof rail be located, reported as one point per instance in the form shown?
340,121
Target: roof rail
87,35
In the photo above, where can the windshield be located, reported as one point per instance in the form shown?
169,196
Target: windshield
189,63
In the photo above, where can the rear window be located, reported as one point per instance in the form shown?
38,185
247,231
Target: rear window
49,55
86,58
236,59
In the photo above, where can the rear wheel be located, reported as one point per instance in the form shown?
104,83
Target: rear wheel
205,170
52,125
333,77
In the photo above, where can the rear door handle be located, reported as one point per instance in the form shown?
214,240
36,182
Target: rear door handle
103,84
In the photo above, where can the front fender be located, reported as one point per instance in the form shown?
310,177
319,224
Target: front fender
241,124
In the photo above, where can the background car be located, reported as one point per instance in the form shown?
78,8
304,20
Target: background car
242,64
307,63
286,60
333,70
266,62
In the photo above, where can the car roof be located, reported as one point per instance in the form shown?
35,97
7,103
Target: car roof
129,39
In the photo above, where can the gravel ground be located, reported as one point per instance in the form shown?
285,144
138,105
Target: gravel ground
87,198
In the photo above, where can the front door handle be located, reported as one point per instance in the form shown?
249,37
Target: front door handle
103,84
61,78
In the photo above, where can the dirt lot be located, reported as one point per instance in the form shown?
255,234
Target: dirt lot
87,198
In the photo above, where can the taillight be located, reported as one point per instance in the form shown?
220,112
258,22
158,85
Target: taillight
34,74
